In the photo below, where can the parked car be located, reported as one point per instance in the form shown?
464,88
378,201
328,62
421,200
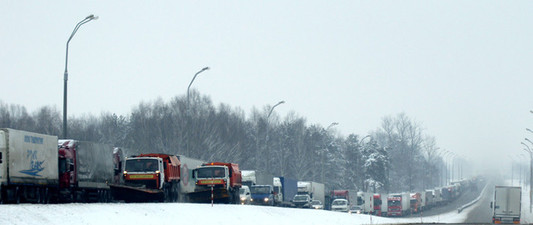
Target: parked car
355,209
317,204
244,193
340,205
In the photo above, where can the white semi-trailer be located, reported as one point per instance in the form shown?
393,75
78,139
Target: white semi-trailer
506,204
313,189
28,166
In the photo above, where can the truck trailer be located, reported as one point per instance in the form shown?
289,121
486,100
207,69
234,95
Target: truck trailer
28,166
314,189
187,184
365,200
284,191
506,204
399,204
86,169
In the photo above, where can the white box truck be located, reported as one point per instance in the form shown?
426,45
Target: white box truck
366,201
313,189
28,166
506,204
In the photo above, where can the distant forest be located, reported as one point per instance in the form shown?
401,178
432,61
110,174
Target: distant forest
395,157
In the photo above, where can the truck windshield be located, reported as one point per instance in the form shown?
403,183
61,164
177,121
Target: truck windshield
394,203
141,165
210,172
300,198
340,202
260,190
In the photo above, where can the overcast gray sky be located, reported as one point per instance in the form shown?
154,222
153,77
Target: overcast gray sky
460,68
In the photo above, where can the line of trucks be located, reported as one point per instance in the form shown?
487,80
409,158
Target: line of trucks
397,204
42,168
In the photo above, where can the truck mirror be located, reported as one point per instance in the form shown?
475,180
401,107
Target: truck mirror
71,167
491,205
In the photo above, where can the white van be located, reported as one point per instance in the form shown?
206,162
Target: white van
340,205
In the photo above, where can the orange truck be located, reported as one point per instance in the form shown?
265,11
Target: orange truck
416,202
149,177
217,182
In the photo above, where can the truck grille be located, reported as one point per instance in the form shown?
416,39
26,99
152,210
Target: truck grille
143,183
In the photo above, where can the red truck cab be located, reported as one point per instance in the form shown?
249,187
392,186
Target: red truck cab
67,160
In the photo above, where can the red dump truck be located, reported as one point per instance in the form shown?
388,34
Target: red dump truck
218,182
149,177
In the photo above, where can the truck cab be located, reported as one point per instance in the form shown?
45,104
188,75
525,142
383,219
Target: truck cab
262,195
223,180
146,172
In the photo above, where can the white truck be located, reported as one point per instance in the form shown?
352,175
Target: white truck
29,168
365,200
437,197
428,200
313,189
506,204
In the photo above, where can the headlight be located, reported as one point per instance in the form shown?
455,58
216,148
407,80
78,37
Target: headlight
266,199
243,198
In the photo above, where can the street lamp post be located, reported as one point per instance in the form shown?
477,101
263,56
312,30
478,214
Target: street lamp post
266,135
530,175
322,174
189,110
193,78
527,139
84,21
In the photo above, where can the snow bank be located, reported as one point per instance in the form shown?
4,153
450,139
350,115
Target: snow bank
170,213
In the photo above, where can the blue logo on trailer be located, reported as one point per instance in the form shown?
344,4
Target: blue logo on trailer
36,166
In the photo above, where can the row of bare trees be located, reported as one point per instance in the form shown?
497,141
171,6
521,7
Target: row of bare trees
395,157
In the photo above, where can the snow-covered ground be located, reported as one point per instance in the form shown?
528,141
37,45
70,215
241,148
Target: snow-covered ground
187,213
527,215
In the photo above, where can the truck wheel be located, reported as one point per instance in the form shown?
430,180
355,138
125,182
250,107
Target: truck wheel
17,195
176,192
39,195
2,196
47,193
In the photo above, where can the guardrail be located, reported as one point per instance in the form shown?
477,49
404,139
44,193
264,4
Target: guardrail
460,209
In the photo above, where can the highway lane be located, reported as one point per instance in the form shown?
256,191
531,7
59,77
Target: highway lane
469,195
481,211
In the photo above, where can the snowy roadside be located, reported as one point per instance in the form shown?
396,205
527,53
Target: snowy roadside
188,213
526,214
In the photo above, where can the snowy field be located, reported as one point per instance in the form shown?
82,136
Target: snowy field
187,213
